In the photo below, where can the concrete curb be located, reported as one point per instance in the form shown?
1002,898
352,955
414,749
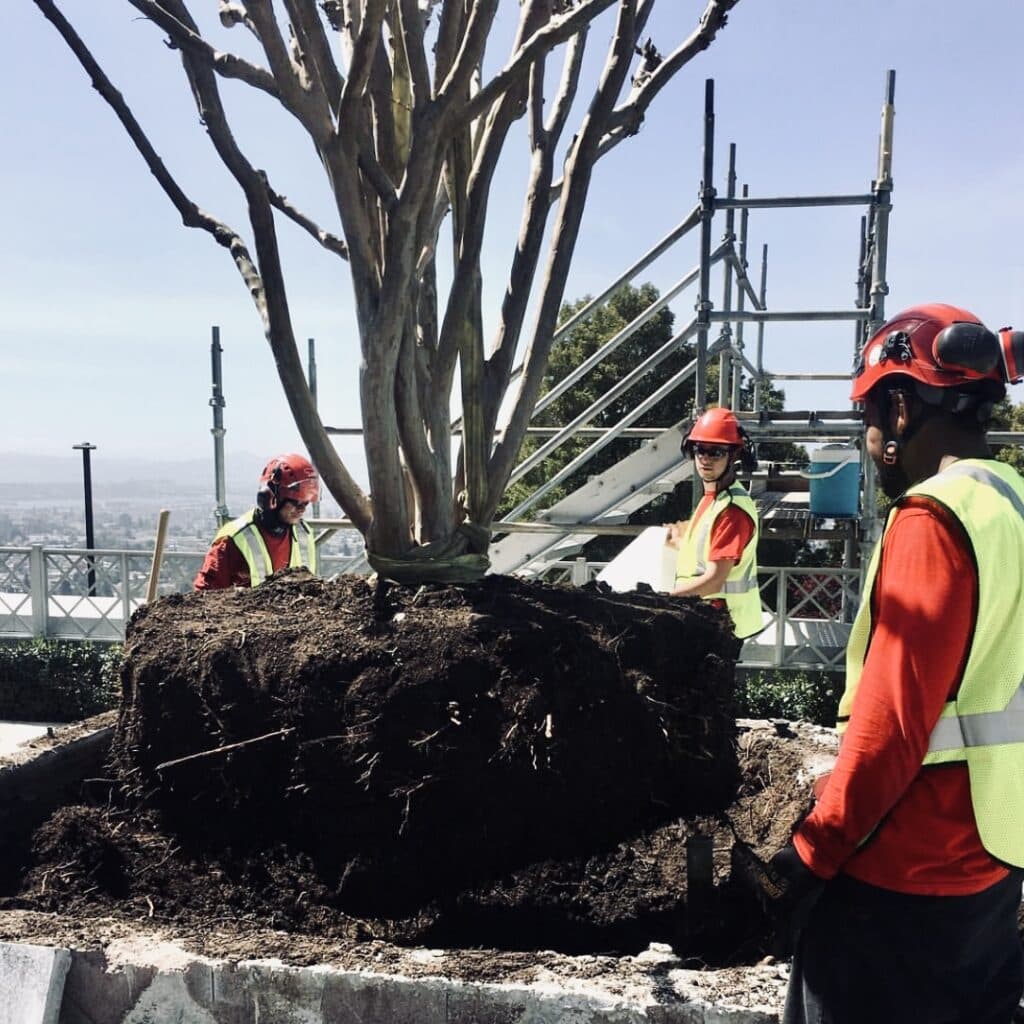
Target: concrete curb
32,983
143,982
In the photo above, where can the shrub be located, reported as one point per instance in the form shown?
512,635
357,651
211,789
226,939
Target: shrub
797,696
58,681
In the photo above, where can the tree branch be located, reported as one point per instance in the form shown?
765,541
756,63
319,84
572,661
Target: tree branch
228,65
191,214
298,95
580,164
569,84
545,39
626,120
531,235
429,465
270,301
363,50
536,103
325,238
413,27
309,30
467,60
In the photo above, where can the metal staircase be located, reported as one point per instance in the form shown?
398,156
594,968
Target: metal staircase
608,499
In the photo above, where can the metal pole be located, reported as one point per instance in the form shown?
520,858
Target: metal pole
741,298
707,209
311,375
703,307
85,448
882,190
726,368
879,287
763,298
217,402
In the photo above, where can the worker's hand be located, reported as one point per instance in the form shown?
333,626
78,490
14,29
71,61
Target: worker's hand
819,784
784,886
674,532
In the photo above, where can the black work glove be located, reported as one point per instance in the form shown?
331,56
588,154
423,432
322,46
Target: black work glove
784,886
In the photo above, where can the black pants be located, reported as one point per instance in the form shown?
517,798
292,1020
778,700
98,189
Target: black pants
871,956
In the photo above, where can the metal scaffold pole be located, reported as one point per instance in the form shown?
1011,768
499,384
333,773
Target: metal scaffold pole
878,243
741,296
217,403
311,375
707,210
882,206
703,306
726,366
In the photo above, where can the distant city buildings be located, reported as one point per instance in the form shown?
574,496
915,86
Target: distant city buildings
54,517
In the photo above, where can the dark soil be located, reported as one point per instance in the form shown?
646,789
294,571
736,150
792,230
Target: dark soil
504,764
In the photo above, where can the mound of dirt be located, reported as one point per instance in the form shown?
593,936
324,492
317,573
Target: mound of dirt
503,764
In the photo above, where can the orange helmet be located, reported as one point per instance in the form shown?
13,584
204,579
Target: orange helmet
716,426
289,478
938,345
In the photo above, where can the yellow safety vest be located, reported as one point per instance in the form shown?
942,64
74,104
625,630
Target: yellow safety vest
984,724
248,539
740,591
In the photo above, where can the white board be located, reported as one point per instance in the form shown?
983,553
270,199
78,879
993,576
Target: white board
647,559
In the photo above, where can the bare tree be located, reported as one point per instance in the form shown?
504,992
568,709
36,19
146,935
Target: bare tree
409,134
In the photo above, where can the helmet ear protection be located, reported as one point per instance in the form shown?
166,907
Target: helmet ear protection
969,348
974,347
1011,348
266,496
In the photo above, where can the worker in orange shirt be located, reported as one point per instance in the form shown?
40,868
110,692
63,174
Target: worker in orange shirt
270,536
717,545
907,871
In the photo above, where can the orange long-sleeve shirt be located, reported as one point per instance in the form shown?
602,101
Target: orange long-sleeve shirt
918,823
731,533
225,566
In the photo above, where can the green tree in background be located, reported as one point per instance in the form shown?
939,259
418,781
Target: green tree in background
1010,417
577,345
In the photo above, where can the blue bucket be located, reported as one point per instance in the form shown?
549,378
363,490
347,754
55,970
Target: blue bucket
835,481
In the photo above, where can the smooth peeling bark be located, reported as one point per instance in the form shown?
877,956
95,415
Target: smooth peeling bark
408,134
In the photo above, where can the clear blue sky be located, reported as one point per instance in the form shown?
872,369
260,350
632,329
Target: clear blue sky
108,301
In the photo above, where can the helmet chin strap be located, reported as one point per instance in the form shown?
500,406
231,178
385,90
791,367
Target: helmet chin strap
270,520
725,481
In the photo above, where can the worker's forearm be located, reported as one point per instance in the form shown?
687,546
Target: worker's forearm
708,582
699,586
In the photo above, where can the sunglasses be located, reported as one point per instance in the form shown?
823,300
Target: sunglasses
292,501
710,451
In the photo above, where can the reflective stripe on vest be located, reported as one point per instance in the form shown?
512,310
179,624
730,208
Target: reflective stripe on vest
736,582
246,536
740,590
984,724
985,729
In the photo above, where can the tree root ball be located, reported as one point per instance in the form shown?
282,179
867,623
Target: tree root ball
416,741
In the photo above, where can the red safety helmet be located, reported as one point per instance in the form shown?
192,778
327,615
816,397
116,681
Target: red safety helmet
289,478
937,345
716,426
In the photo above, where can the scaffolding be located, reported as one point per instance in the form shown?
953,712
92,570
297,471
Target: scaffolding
717,334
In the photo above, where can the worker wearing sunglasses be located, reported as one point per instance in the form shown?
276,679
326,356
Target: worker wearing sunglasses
269,537
717,546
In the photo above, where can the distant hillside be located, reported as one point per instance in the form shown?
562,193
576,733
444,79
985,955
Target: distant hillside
54,473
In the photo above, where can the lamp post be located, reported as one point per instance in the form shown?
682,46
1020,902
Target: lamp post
85,448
